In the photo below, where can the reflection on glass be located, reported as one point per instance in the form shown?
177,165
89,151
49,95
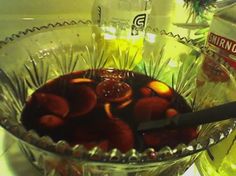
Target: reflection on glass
219,160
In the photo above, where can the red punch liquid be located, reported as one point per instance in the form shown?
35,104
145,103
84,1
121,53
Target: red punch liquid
103,108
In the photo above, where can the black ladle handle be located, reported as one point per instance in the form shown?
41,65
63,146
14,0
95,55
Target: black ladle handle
214,114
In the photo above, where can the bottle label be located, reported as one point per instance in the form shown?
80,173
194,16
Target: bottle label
223,46
139,23
132,22
222,43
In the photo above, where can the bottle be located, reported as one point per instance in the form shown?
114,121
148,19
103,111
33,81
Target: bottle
219,67
121,27
220,72
162,14
160,19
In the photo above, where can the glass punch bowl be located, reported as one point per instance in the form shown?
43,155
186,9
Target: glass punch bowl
30,58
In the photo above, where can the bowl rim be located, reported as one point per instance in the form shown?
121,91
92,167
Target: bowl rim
79,152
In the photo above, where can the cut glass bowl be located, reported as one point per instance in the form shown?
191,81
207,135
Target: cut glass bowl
30,58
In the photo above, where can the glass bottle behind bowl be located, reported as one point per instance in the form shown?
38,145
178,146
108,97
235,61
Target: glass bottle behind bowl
220,63
219,70
121,27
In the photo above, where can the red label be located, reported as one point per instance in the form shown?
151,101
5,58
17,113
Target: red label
223,43
227,48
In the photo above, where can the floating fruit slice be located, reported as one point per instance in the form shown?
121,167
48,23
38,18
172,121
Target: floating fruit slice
107,107
90,134
151,139
82,99
120,135
50,121
160,88
113,91
81,80
106,133
145,91
169,137
124,104
150,108
50,103
171,112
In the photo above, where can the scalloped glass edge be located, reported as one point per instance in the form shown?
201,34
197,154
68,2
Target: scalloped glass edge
114,156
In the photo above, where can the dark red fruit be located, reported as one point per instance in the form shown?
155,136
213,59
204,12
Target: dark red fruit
169,137
113,91
52,104
106,134
171,112
50,121
151,139
90,136
145,91
161,138
120,135
188,134
150,108
82,99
